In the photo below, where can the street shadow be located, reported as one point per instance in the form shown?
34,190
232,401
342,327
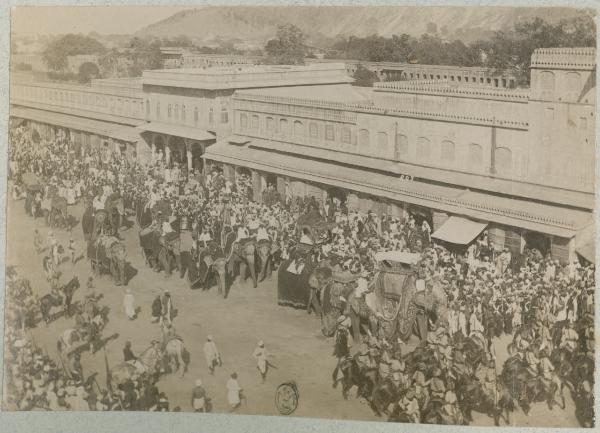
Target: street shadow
130,272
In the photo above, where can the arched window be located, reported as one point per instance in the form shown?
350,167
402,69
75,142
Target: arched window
254,121
157,109
346,135
363,138
547,84
401,151
329,133
169,111
183,112
270,124
195,115
224,115
298,128
382,141
211,116
475,155
283,126
313,130
503,160
423,148
176,111
447,151
147,107
243,120
573,86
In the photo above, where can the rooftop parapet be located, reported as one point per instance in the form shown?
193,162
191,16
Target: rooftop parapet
447,88
246,76
564,58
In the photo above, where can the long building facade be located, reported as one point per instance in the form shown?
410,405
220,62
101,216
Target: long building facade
519,162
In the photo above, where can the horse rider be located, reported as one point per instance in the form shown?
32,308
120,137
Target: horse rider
548,375
437,387
488,383
343,343
532,361
410,406
130,358
569,338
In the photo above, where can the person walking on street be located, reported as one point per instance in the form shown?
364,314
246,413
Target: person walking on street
167,308
234,391
199,397
211,354
262,364
72,250
129,305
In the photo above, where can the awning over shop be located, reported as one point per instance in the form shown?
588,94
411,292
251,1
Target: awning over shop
543,218
587,251
105,129
457,230
177,131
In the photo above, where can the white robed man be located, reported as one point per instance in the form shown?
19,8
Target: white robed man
129,305
211,354
262,364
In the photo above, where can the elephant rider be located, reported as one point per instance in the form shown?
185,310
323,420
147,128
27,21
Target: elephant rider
410,406
262,233
437,387
569,339
521,345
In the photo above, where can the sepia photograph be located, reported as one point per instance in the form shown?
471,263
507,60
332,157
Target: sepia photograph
365,213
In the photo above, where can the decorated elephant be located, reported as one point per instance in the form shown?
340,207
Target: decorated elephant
266,251
115,210
243,254
108,254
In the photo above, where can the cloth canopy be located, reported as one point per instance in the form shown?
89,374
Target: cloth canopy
587,251
458,230
177,130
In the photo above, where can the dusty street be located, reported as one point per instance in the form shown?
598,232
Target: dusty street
300,352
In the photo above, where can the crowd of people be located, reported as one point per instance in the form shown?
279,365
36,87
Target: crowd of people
491,291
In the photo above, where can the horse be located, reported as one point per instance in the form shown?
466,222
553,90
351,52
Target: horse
48,301
177,355
149,362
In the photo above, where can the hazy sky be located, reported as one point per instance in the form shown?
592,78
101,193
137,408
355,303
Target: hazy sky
85,19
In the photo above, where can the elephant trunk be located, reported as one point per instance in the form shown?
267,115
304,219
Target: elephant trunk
252,268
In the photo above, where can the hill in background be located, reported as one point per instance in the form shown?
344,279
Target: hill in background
321,24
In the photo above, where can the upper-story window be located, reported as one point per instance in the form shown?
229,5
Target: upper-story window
298,128
313,130
211,116
346,135
329,133
423,148
382,141
503,160
147,107
243,120
195,115
283,126
573,86
176,111
363,138
475,155
169,111
224,115
254,121
401,150
547,84
183,112
158,109
270,124
447,153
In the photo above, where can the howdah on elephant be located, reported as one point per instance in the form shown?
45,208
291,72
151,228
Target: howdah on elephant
243,257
